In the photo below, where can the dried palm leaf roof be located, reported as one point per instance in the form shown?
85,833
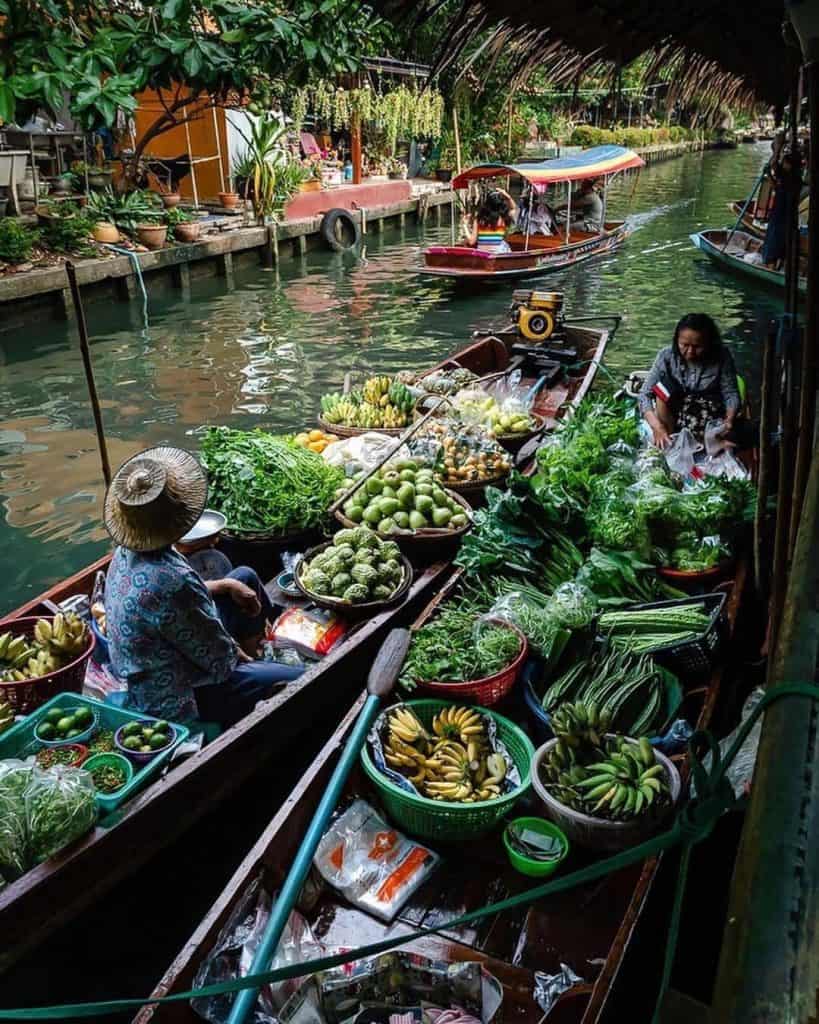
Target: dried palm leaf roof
722,51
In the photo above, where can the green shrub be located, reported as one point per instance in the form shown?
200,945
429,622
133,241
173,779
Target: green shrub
68,234
16,240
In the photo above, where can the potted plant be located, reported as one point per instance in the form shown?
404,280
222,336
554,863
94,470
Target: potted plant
396,169
170,199
243,169
185,227
229,199
61,186
104,231
99,177
311,174
152,232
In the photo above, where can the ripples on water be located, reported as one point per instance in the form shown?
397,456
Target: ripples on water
263,354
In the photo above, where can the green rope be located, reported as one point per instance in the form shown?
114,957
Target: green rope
694,823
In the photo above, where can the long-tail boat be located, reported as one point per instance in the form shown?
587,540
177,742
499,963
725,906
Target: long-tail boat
59,888
532,254
742,253
589,928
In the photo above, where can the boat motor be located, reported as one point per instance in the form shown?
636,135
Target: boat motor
538,315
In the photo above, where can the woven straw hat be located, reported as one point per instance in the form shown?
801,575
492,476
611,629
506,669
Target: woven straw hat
155,498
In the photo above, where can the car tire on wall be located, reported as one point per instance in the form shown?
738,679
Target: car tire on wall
340,231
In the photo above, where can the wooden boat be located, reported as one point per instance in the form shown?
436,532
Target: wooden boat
57,890
732,249
533,255
511,946
755,220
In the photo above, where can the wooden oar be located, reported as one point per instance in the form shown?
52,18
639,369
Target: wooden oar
381,679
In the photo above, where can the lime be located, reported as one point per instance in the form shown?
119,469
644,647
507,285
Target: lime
72,733
145,749
132,743
53,715
65,723
147,733
46,731
158,740
83,716
162,726
131,729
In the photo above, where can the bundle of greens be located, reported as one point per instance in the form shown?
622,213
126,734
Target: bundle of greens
622,578
60,807
633,691
456,645
265,483
14,777
641,631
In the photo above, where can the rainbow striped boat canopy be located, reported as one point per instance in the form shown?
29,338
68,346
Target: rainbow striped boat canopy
591,163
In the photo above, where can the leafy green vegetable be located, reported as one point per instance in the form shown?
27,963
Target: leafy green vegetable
60,807
14,777
266,483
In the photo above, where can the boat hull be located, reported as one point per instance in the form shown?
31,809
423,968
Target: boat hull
727,249
542,255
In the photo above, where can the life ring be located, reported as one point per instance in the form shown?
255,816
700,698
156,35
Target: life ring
339,230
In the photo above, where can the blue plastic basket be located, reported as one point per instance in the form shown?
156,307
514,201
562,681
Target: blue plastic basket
20,741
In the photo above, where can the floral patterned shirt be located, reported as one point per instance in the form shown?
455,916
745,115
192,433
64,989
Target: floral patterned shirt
164,633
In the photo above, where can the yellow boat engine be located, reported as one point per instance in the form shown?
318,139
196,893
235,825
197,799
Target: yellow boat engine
538,315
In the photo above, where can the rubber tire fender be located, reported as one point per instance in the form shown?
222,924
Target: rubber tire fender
340,230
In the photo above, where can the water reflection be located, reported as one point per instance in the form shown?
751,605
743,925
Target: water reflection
264,353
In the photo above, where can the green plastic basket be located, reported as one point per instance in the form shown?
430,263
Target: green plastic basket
437,819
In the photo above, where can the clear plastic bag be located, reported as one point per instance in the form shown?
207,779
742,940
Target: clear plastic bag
373,865
14,778
549,987
573,606
741,770
461,453
232,957
540,627
359,454
680,455
60,807
725,465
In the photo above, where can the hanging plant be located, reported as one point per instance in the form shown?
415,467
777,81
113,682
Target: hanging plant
298,108
341,108
362,103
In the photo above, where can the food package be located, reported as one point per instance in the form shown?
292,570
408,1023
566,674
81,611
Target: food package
373,865
311,631
60,807
359,454
401,982
463,454
233,952
14,778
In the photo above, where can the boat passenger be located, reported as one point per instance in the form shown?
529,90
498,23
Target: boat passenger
184,647
486,229
779,219
693,380
587,206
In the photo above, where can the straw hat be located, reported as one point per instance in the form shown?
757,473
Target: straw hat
155,498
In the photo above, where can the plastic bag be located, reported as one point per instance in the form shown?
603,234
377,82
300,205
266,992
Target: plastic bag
461,453
680,455
541,628
549,987
14,778
359,454
373,865
741,770
60,807
233,952
724,465
573,606
310,631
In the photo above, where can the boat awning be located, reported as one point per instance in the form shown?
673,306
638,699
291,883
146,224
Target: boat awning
591,163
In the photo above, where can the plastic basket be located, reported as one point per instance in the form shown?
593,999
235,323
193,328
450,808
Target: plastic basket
81,737
19,741
695,658
489,690
109,801
28,694
139,757
440,820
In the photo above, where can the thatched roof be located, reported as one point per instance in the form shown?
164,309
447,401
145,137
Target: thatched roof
731,51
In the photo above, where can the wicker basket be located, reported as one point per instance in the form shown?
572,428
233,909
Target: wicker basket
488,690
427,544
475,490
342,431
514,442
28,694
443,820
353,612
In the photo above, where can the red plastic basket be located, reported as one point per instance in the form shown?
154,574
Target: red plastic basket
489,690
28,694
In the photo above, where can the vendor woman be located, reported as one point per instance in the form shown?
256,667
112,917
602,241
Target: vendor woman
692,381
185,648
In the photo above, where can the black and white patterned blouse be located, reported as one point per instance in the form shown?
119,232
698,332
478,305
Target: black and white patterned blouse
672,378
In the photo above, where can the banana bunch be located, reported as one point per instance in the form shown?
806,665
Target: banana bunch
54,645
603,776
6,716
376,390
453,762
580,723
401,397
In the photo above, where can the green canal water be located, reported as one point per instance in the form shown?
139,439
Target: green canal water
263,354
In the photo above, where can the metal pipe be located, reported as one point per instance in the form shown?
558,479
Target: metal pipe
569,213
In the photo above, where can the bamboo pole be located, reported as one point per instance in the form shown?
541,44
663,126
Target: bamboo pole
89,370
509,131
766,416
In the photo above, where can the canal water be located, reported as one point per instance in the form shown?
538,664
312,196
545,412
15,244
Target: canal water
263,354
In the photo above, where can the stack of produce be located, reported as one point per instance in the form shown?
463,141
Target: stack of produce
500,421
467,454
446,382
315,440
54,644
380,403
60,724
453,762
357,567
628,690
263,483
646,630
404,496
605,776
457,645
147,737
108,777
